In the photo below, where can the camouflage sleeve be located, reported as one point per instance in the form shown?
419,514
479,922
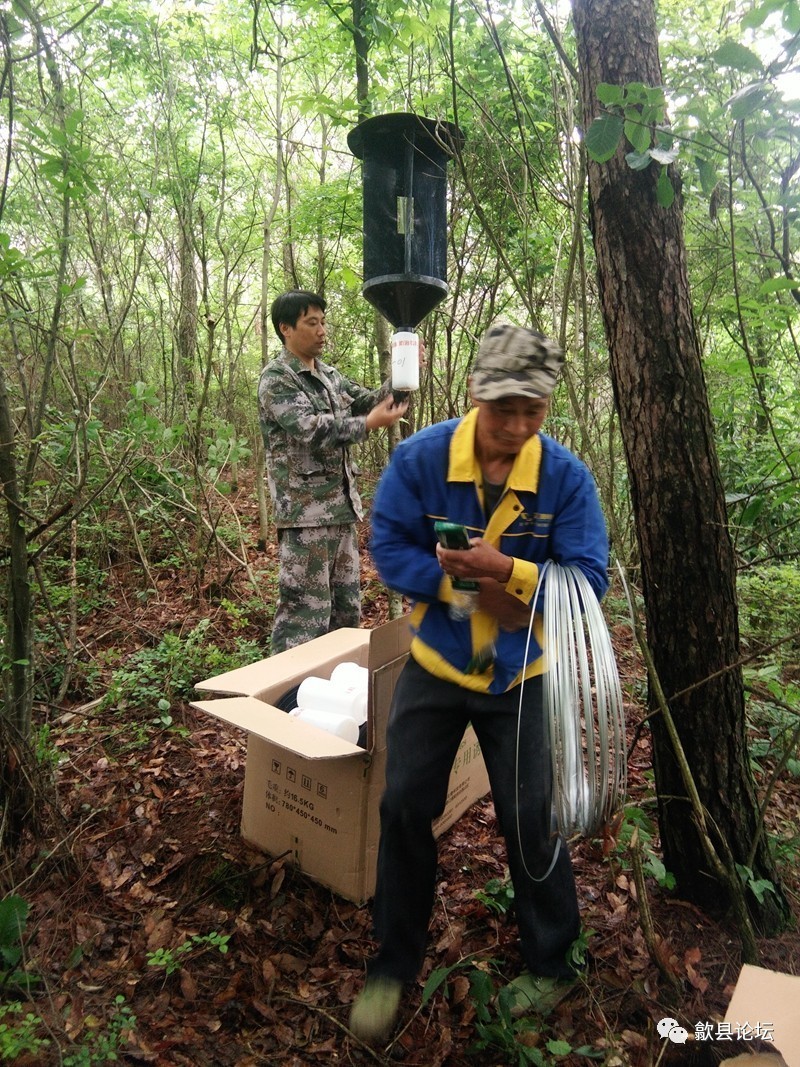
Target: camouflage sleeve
284,401
364,400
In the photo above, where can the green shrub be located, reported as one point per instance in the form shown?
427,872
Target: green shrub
156,678
769,605
636,819
514,1042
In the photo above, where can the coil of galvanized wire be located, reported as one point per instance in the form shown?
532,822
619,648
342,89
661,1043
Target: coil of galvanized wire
583,702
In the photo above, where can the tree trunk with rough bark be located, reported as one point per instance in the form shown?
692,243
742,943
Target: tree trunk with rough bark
688,565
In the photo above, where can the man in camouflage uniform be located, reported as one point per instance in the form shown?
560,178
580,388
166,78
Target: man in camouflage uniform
310,414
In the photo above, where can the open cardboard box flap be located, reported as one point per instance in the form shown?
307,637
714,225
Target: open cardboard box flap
248,695
772,1000
268,679
276,726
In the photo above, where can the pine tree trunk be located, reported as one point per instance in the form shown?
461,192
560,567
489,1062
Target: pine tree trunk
688,565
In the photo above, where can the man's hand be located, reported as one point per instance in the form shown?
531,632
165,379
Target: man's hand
492,568
480,560
386,413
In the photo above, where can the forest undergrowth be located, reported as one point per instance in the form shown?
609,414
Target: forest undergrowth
141,928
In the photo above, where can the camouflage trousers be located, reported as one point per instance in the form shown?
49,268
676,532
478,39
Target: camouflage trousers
318,585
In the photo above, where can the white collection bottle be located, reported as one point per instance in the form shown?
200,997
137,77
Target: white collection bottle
331,722
405,360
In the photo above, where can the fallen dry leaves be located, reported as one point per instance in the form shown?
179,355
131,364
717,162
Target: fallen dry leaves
152,861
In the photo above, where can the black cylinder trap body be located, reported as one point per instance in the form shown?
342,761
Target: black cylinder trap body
404,182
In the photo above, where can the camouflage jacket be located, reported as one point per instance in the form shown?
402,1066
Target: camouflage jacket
309,419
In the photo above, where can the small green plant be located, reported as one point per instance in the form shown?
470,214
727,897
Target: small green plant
13,919
579,949
102,1045
170,960
18,1031
637,819
757,886
514,1042
497,895
237,616
47,755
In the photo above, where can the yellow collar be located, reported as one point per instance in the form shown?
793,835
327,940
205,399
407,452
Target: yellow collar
464,466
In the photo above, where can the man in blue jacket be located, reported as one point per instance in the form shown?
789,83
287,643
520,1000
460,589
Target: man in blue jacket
524,499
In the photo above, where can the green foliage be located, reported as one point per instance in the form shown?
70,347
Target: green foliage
156,442
773,720
579,949
224,449
81,586
637,112
759,887
62,157
154,679
769,607
636,819
516,1042
20,1027
45,751
18,1031
501,1034
761,490
13,920
103,1044
170,960
497,895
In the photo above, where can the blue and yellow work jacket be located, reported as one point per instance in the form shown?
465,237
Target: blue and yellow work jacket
549,511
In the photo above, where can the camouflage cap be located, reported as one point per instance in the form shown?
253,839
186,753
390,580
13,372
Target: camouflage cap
515,361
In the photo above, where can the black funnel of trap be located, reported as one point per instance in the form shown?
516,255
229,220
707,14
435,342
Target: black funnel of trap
404,160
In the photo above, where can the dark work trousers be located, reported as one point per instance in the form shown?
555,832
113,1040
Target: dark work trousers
426,724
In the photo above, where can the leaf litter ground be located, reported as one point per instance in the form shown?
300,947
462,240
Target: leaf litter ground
153,905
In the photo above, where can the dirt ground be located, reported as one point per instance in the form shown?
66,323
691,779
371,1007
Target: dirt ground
157,936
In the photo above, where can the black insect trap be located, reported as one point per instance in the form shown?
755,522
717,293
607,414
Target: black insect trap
404,161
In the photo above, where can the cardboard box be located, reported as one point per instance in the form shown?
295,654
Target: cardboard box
766,1002
314,795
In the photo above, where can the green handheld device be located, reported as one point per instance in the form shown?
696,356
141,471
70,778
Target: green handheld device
453,535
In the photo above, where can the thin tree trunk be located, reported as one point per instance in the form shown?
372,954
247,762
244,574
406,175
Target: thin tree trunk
186,325
17,655
264,311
